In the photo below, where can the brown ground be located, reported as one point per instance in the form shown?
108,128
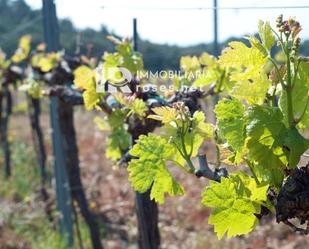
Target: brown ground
183,220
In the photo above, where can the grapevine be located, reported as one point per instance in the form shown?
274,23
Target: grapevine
259,134
259,120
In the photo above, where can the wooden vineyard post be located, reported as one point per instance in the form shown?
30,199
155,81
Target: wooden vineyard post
62,183
67,171
5,113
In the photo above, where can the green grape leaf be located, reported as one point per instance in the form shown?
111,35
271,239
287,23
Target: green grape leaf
3,62
91,98
181,81
253,92
124,57
296,145
272,175
112,74
46,62
118,142
231,122
165,114
251,83
84,78
23,49
199,127
300,96
32,87
116,118
270,143
133,62
266,34
256,43
208,76
209,72
138,107
110,59
235,201
247,62
206,59
265,132
36,58
150,170
189,64
194,137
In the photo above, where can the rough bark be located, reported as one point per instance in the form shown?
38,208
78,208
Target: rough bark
147,216
34,108
146,210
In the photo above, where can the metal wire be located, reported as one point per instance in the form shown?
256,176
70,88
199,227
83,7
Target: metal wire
204,8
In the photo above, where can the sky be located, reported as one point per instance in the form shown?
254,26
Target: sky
179,22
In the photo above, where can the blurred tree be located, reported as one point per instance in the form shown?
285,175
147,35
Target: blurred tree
17,19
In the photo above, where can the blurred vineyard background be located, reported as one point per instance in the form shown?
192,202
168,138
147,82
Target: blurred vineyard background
17,19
